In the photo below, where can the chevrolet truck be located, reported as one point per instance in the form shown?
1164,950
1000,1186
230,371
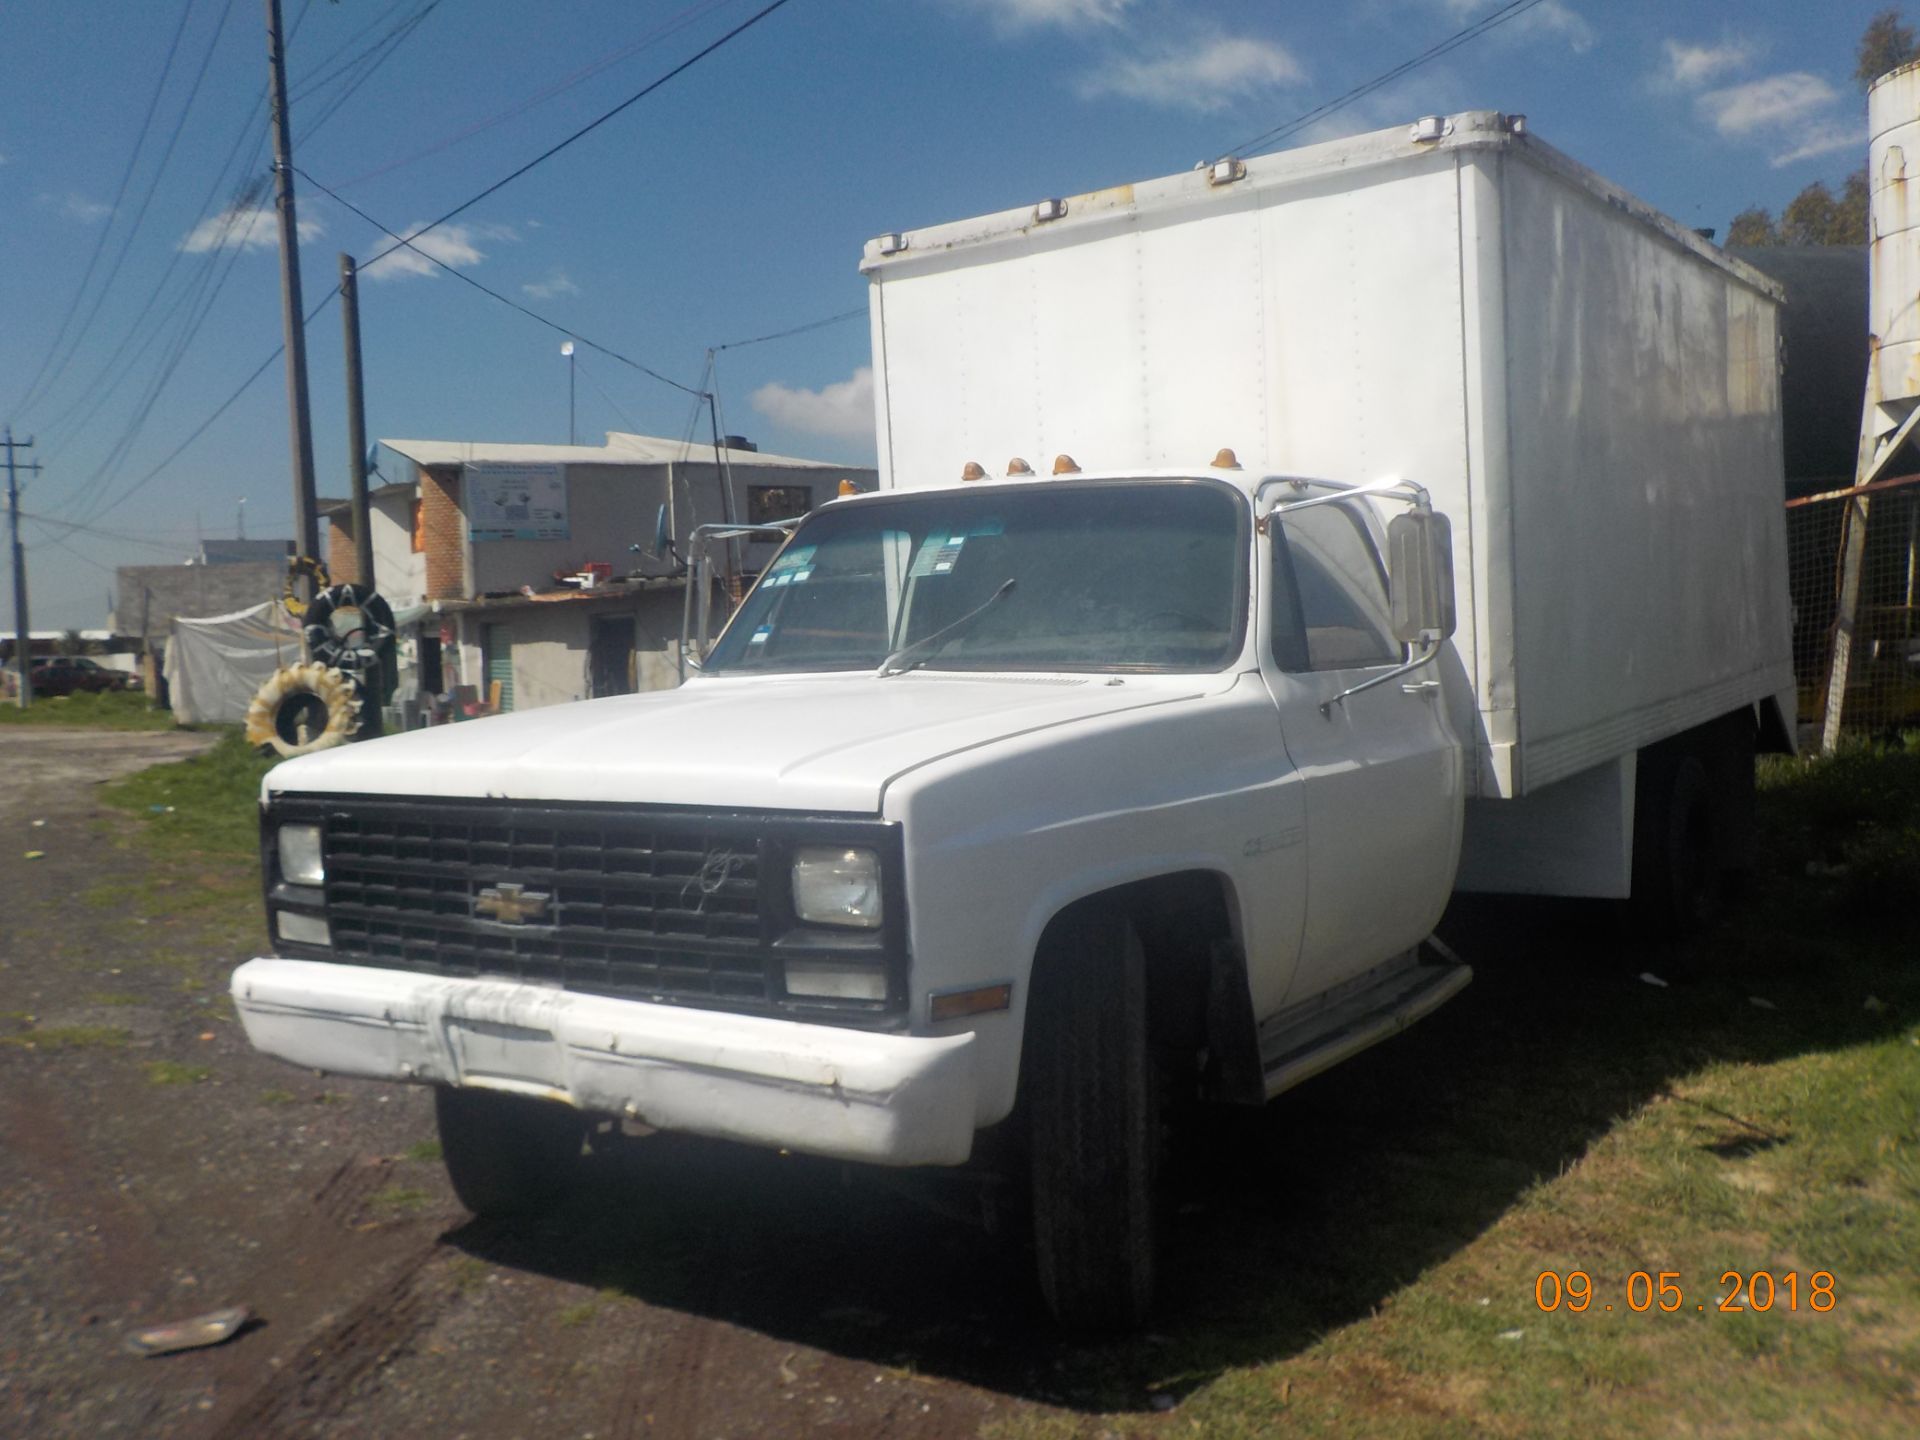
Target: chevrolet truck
1262,554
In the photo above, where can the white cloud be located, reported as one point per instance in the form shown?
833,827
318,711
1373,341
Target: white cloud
1206,75
843,410
451,245
1824,138
248,227
1030,14
1692,65
558,282
74,206
1740,110
1550,18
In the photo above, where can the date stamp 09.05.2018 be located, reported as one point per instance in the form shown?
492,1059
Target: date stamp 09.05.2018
1663,1290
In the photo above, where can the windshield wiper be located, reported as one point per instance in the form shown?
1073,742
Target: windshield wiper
923,649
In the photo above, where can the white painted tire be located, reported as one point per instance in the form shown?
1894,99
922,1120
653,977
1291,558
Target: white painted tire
296,682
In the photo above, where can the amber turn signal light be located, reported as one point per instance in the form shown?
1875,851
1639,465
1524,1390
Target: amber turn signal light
959,1004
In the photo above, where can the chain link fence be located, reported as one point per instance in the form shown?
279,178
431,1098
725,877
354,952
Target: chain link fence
1883,673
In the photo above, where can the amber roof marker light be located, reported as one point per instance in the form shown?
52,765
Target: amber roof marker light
1065,465
1225,459
973,470
1017,466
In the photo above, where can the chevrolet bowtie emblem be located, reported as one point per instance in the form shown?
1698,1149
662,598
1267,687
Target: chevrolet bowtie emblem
511,904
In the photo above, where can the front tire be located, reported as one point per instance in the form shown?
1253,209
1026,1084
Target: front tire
1094,1124
507,1154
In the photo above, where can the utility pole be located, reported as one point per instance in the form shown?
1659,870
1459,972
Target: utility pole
356,420
292,311
22,644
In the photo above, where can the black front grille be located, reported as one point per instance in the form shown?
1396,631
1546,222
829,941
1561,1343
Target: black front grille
665,905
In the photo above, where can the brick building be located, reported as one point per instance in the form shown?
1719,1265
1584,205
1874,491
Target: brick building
485,538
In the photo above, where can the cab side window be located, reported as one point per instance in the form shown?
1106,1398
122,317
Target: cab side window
1330,607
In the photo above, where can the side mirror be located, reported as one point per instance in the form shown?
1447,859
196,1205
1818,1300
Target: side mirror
1420,573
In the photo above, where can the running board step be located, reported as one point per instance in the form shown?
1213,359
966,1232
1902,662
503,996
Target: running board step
1305,1039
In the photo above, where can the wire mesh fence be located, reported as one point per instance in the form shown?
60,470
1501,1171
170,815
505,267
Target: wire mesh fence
1882,691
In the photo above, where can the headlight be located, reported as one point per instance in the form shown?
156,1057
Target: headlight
300,862
833,886
835,982
301,929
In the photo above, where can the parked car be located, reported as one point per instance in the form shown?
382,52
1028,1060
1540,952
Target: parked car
70,674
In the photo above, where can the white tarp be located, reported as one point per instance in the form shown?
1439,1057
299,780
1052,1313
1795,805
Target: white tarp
215,665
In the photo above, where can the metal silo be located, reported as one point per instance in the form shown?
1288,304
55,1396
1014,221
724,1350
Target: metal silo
1893,232
1892,402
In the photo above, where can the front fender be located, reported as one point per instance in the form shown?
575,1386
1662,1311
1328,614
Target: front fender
1000,841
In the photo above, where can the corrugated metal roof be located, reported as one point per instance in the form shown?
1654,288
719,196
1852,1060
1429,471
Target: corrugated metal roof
620,449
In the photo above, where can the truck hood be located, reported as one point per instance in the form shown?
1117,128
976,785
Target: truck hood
818,744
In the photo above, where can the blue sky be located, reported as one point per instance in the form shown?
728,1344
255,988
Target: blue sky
730,203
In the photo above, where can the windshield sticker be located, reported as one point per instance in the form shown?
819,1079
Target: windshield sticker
759,637
937,556
786,570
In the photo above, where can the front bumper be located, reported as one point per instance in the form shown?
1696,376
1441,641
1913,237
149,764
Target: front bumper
886,1099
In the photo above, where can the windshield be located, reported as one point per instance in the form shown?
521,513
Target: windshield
1135,575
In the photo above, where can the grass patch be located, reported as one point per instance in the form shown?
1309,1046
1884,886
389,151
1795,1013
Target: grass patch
469,1273
215,809
278,1097
112,710
172,1072
69,1037
1362,1257
401,1200
574,1316
424,1150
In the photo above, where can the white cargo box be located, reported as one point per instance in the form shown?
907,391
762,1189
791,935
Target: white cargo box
1590,390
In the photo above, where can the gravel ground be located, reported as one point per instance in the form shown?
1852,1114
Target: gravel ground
152,1167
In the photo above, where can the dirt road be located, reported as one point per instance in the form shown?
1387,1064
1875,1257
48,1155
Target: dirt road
153,1167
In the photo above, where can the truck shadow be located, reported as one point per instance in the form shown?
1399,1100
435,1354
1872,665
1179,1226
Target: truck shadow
1287,1223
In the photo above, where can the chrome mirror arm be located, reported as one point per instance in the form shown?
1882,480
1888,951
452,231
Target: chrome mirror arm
1430,647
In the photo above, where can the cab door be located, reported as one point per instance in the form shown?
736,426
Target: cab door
1381,771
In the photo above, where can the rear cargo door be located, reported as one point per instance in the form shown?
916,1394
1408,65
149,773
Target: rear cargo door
1381,770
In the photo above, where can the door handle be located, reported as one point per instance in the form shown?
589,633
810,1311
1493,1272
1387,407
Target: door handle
1421,687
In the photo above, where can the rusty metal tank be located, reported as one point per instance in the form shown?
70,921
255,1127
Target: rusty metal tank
1893,233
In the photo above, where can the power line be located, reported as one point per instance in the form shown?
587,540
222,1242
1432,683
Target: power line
126,178
406,242
1512,11
844,315
301,90
205,424
588,129
687,17
325,70
369,64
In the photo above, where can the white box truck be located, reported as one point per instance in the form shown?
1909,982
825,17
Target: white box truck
1262,554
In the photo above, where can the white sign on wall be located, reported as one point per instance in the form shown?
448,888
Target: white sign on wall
516,502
